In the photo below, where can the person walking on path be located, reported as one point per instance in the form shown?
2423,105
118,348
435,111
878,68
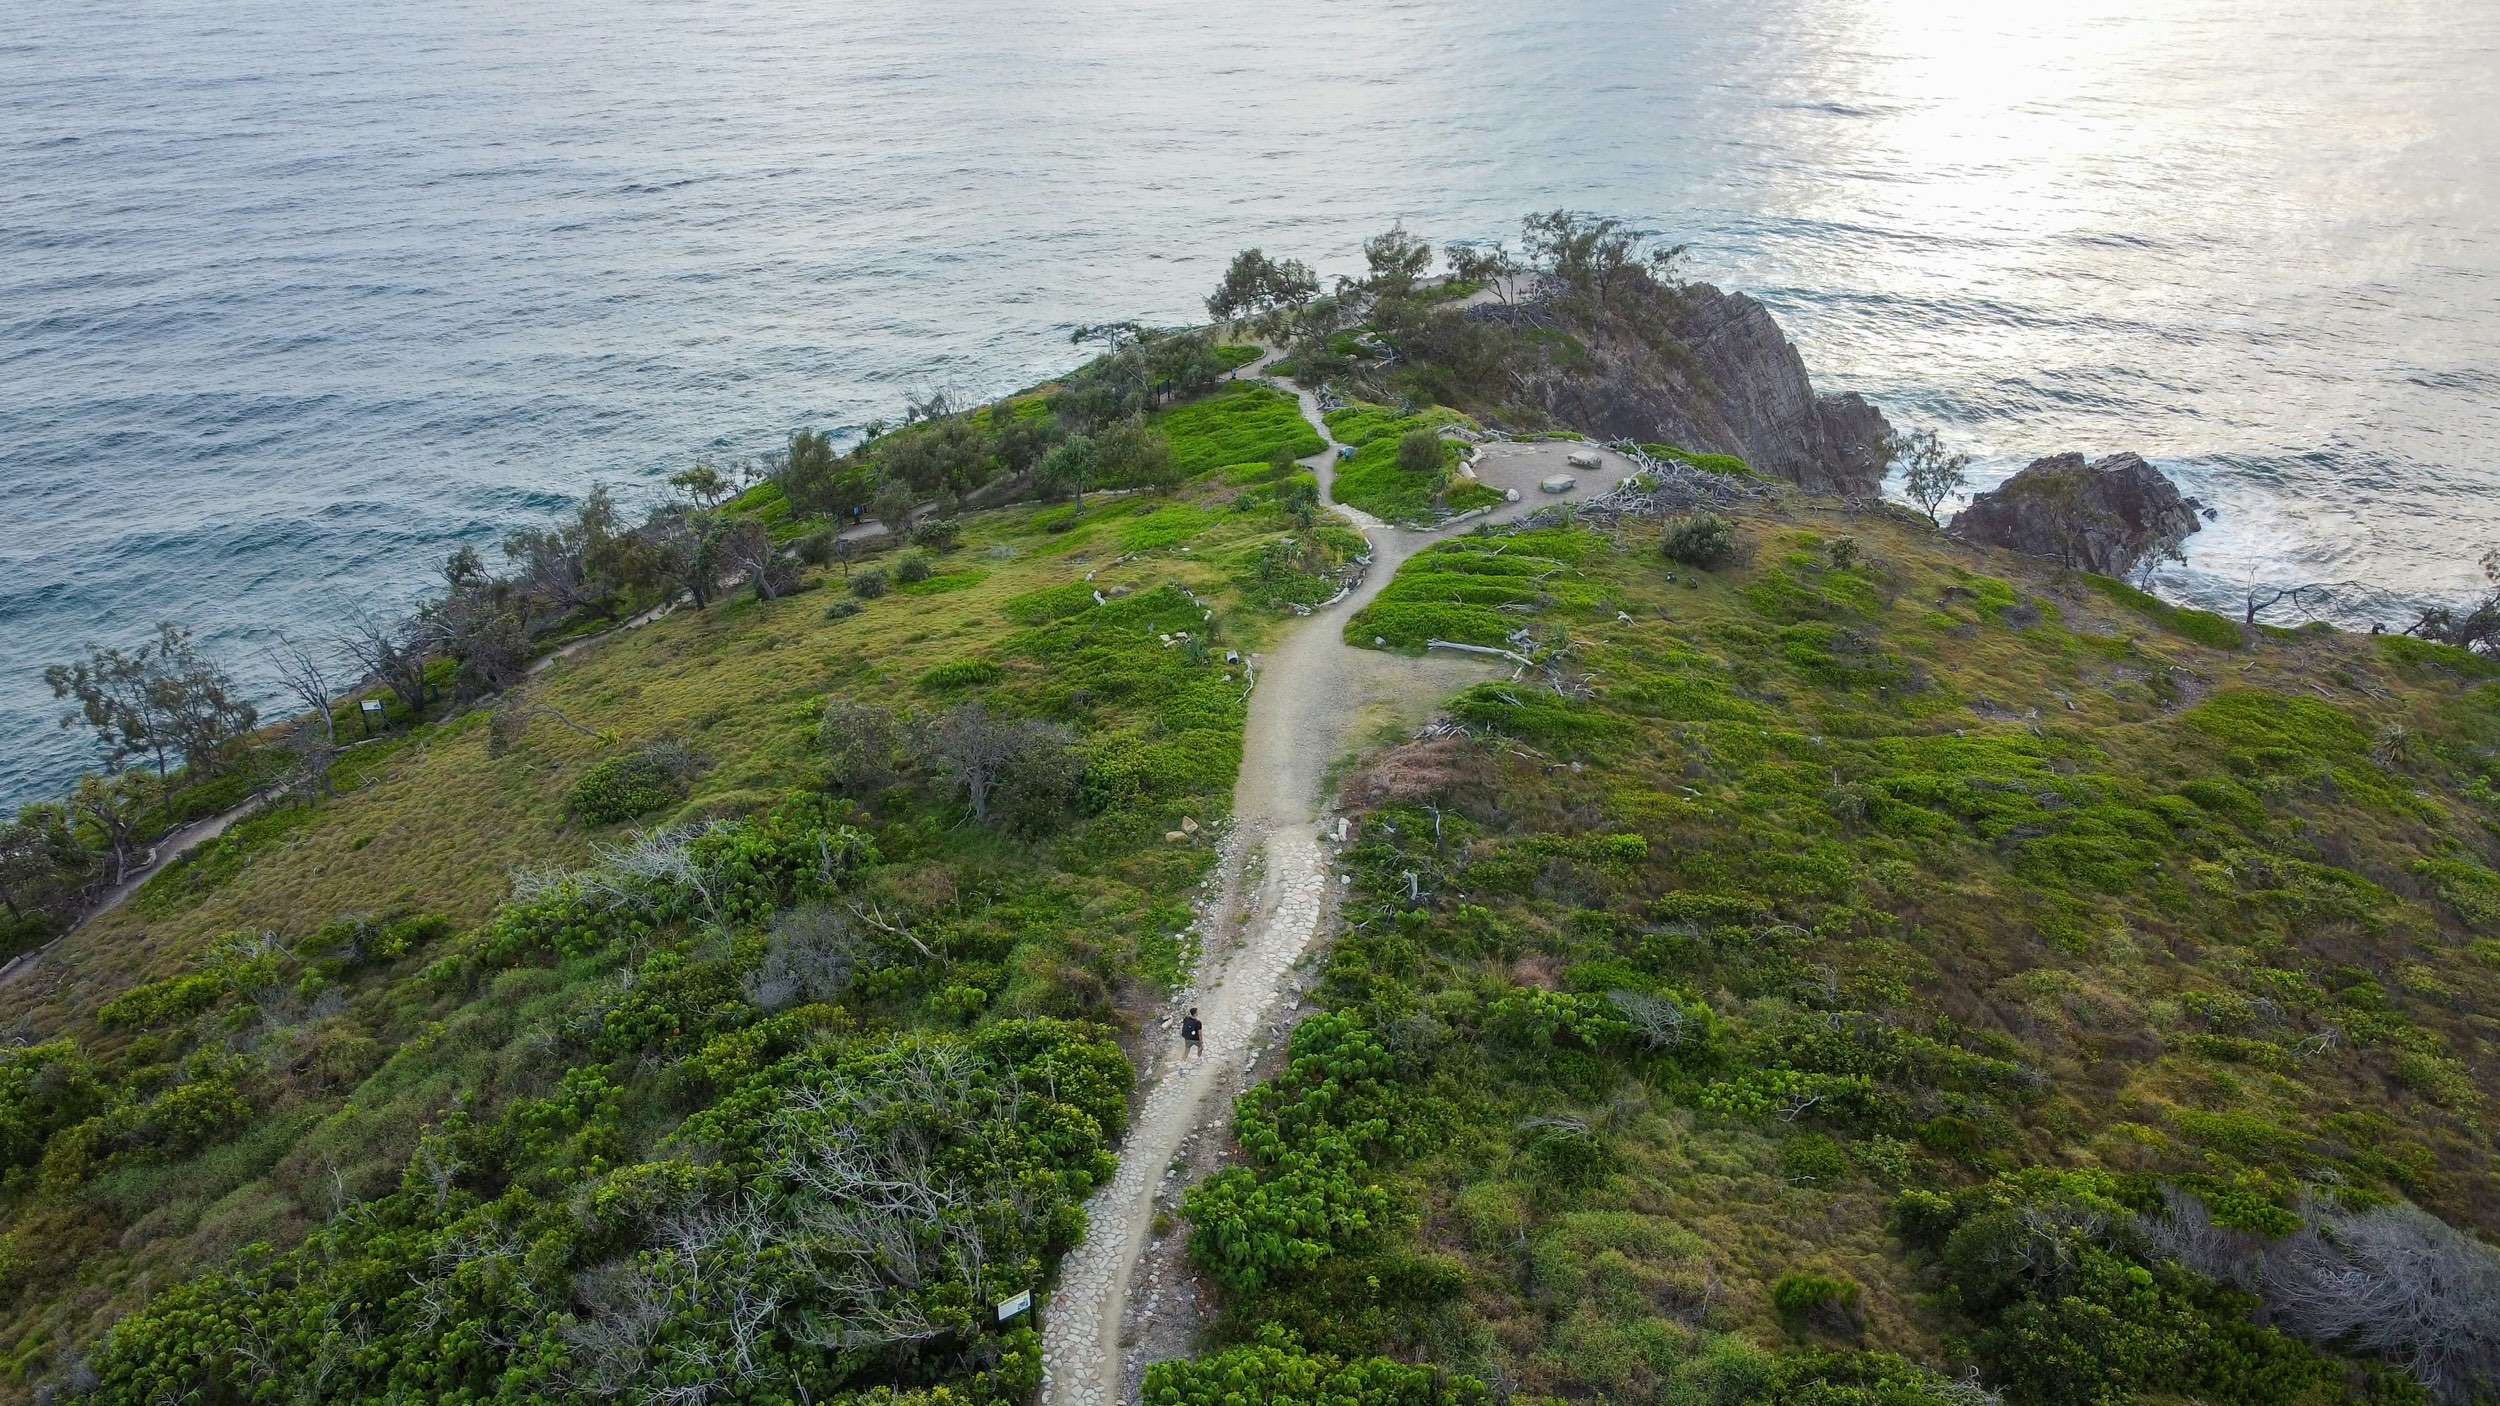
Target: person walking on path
1193,1036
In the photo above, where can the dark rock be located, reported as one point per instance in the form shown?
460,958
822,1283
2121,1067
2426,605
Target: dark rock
2104,516
1727,381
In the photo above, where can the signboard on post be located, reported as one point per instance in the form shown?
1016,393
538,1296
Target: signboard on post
1009,1308
373,716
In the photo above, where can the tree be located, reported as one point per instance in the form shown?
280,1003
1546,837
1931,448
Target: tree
1132,453
1067,470
1112,335
2477,627
1396,260
2065,502
1256,286
393,653
165,698
205,716
684,542
1593,256
979,752
118,700
41,862
1492,265
705,484
892,506
314,755
1930,474
817,481
863,744
486,627
1419,452
113,807
746,548
568,567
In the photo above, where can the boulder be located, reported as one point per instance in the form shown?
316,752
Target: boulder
1724,380
2104,516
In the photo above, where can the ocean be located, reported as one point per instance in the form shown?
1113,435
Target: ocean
294,298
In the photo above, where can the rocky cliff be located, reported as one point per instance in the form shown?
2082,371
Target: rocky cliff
2104,516
1723,380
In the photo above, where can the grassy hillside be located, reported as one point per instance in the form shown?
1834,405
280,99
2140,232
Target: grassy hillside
515,1070
1874,946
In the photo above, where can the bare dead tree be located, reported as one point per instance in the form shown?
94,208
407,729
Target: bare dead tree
1662,1023
303,673
2396,1281
393,653
2260,599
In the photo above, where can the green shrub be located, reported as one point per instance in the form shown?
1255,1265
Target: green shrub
962,673
1276,1372
1813,1160
1419,452
911,569
638,783
1705,540
842,610
163,1002
868,585
1806,1299
938,534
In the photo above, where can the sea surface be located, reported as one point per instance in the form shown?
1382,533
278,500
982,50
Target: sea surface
295,297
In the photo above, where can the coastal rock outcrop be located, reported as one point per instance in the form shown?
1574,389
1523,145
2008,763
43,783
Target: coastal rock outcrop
2105,516
1726,380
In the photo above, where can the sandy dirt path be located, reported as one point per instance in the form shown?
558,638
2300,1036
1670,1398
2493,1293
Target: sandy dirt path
1315,699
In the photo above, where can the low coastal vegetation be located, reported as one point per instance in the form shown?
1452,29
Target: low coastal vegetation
1824,955
1824,964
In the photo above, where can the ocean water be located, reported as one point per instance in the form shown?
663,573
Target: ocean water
295,297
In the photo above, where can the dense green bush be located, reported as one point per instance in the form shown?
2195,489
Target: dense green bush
1808,1299
1705,540
960,674
807,1161
1311,1191
911,568
1276,1372
869,584
635,784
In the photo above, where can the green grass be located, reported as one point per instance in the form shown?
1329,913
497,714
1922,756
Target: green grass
1372,480
1477,589
1725,465
2202,626
1238,424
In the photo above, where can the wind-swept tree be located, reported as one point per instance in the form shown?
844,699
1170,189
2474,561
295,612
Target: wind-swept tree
42,865
1931,474
982,755
1256,286
703,483
1395,260
164,699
